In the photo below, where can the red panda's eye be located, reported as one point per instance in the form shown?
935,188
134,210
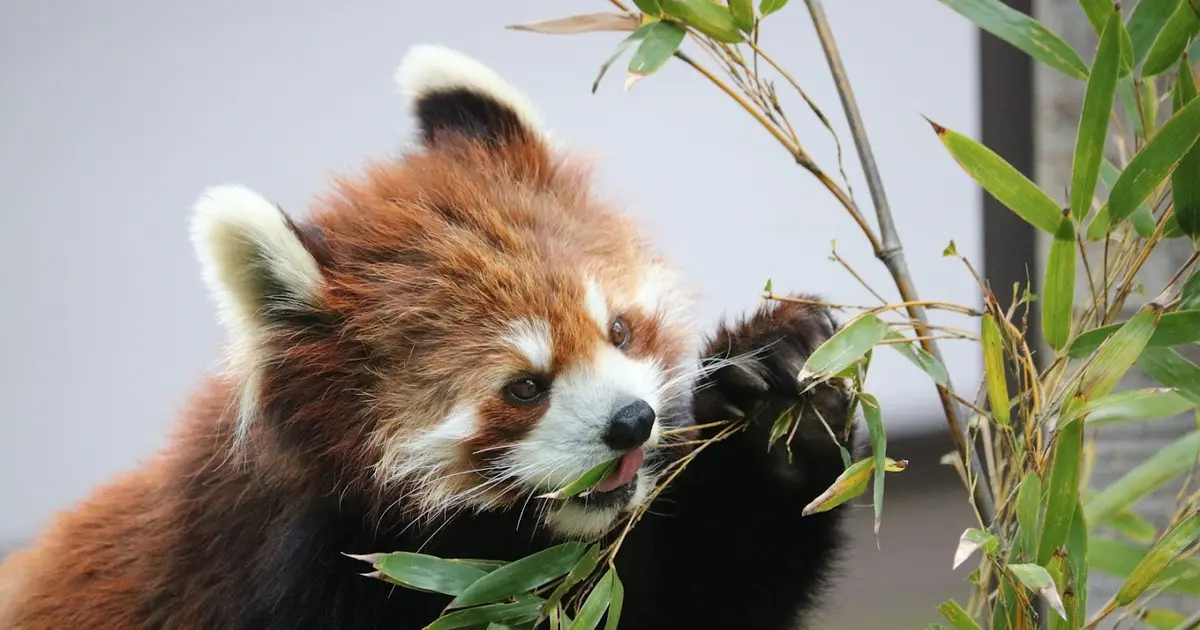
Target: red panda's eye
619,333
525,390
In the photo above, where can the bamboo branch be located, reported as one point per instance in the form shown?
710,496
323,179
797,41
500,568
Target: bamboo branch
892,255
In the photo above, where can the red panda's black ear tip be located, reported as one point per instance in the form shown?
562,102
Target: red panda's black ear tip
450,92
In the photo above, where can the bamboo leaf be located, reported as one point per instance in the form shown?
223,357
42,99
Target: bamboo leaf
993,365
1063,490
743,14
1058,287
1163,619
424,572
850,484
845,347
1001,180
616,602
1171,369
935,369
1166,550
660,40
519,612
1077,562
1119,558
583,568
649,7
1037,579
522,575
1146,21
1132,526
1023,32
1172,39
1097,107
633,40
1189,297
585,23
1143,221
1118,353
874,418
767,7
1029,497
584,482
1185,181
1151,474
706,16
1097,12
1173,329
1155,161
972,540
596,603
1134,405
957,616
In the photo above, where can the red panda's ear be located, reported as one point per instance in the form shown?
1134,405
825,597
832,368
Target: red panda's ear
453,95
260,268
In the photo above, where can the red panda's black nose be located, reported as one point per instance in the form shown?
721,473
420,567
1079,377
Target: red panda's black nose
630,426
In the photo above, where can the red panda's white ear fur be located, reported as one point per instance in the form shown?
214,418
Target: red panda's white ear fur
449,91
256,269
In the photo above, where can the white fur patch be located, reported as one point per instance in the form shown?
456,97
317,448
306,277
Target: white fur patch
578,522
531,337
596,304
430,68
660,292
238,235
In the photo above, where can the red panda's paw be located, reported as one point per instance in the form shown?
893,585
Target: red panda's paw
753,368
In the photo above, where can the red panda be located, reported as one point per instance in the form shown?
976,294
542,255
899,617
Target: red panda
441,340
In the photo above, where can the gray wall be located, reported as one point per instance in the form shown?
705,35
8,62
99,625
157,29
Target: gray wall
116,114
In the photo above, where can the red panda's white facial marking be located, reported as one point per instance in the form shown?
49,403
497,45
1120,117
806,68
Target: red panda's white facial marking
464,327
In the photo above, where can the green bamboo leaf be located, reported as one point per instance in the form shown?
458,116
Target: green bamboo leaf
935,369
1001,180
874,418
1143,222
1189,297
743,14
1155,161
1118,353
1164,552
971,541
584,482
1163,619
596,603
583,568
649,7
1146,21
423,572
1137,405
993,365
1119,558
1172,39
1153,473
1132,526
659,41
635,38
1029,497
1077,562
1173,329
1097,107
850,484
1062,491
1023,32
845,347
487,566
516,612
1037,579
522,575
1173,370
1058,287
767,7
616,602
1097,12
1185,181
706,16
957,616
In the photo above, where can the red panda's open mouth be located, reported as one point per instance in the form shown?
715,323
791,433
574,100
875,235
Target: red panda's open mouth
624,472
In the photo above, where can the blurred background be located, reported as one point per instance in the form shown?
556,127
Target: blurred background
117,114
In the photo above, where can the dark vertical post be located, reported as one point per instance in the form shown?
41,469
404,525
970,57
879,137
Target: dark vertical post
1006,103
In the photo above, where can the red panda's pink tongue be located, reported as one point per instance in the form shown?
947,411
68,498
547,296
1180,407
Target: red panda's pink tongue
625,471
